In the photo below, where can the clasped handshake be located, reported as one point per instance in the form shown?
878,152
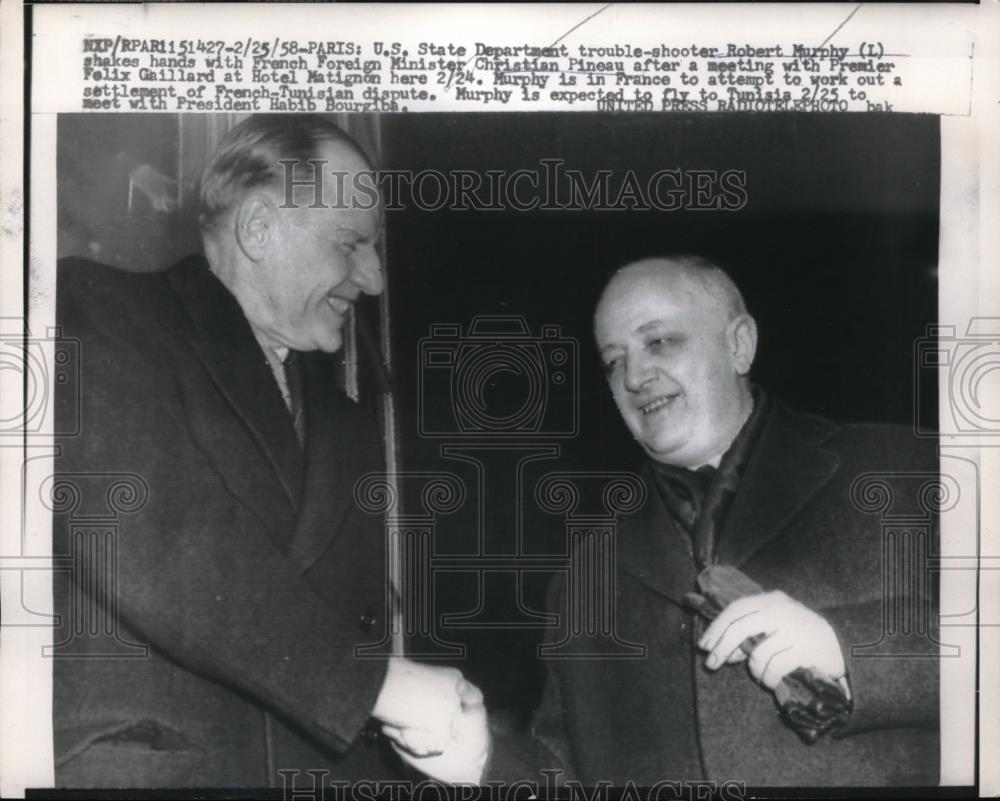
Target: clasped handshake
435,719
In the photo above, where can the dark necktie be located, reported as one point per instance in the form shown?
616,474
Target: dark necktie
293,377
684,493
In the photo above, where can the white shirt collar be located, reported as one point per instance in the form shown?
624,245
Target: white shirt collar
265,344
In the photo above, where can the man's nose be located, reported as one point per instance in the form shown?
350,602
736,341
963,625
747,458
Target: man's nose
638,372
367,272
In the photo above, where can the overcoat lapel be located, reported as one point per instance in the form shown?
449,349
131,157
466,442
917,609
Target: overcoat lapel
787,467
652,549
336,453
222,340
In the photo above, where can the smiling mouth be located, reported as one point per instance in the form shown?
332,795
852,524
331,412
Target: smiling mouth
338,304
658,403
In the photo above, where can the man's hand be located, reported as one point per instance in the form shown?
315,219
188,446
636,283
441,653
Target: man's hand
421,704
464,758
793,636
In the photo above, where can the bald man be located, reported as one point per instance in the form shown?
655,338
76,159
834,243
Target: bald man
249,595
736,479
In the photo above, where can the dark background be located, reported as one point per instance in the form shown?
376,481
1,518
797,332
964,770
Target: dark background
835,252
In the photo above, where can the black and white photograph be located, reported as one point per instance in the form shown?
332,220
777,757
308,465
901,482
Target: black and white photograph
510,453
257,568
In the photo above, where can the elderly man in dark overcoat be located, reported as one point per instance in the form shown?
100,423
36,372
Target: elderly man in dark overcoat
245,593
736,479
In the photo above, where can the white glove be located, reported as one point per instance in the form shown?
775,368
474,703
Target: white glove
794,637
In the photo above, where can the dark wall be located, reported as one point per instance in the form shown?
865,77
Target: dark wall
835,250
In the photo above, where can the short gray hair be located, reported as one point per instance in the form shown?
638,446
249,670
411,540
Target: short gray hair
250,156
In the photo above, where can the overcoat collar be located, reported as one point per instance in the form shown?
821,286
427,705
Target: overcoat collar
786,468
653,549
316,488
788,465
223,341
335,446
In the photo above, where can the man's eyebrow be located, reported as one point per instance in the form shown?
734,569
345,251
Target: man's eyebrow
642,329
349,229
359,226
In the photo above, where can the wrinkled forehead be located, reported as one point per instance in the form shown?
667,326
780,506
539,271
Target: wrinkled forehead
338,177
643,299
342,193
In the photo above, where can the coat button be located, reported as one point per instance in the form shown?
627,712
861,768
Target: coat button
370,733
367,620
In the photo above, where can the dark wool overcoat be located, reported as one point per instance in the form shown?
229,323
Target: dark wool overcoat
243,576
839,517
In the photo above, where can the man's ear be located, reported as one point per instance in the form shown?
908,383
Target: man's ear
254,221
743,342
